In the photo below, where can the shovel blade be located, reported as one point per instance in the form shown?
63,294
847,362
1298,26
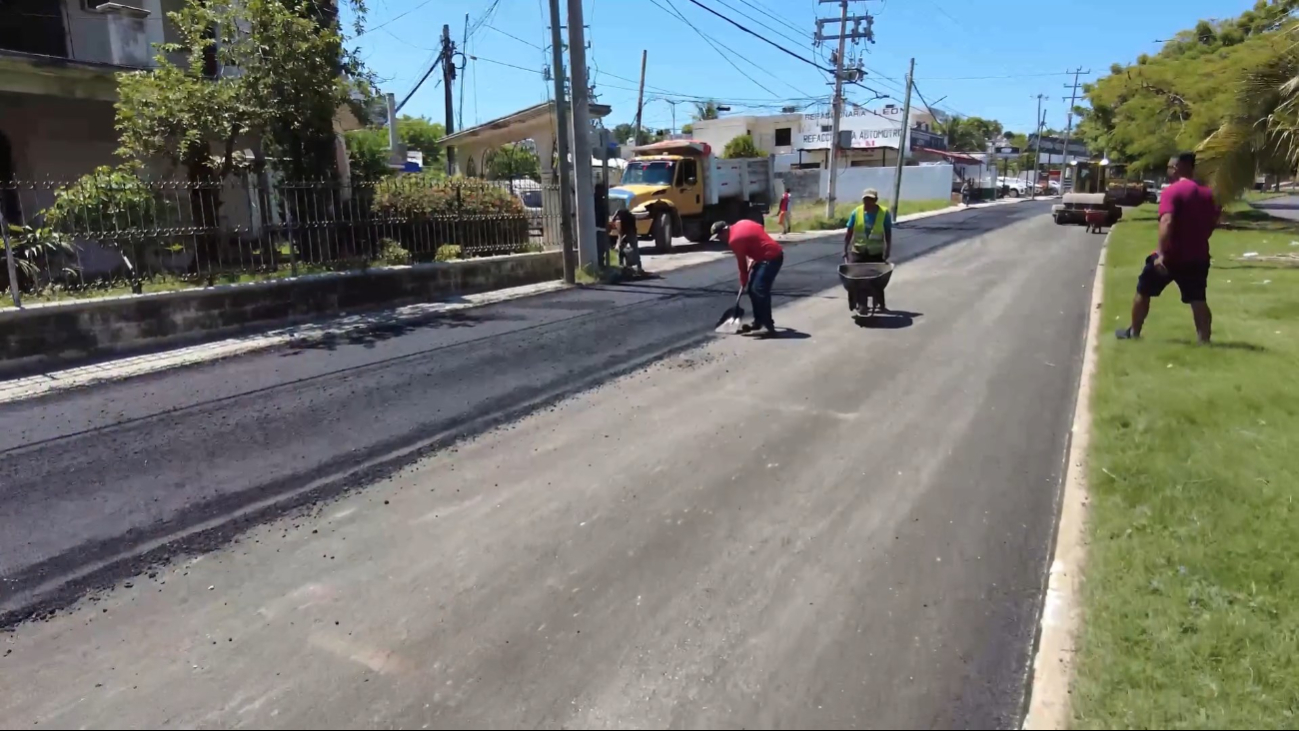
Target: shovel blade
731,320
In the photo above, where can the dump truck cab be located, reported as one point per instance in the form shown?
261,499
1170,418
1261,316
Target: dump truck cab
679,188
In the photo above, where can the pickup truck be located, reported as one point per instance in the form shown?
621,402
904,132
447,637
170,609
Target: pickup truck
680,188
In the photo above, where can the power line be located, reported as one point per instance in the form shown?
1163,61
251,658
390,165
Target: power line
762,38
778,19
742,14
511,35
393,19
1008,76
709,41
420,83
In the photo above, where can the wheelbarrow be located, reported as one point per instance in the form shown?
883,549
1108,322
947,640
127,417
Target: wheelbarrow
865,284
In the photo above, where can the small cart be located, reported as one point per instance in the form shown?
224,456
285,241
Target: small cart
865,284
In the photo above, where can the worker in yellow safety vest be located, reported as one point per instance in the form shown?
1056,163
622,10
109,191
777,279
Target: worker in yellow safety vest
869,237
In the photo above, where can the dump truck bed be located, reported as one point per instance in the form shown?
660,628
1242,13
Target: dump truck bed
745,179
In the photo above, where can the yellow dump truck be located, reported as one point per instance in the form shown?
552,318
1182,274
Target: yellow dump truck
680,188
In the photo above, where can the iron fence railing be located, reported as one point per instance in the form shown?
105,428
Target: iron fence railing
111,231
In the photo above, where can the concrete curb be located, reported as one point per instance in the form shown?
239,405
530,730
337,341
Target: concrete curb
1053,665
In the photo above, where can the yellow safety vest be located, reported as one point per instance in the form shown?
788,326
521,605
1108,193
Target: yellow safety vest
872,243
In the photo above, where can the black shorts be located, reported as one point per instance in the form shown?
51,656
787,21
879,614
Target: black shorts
1192,279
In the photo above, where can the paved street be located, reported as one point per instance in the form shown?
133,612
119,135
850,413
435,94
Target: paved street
1286,207
646,524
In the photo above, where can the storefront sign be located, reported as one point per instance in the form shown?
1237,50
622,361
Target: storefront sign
869,128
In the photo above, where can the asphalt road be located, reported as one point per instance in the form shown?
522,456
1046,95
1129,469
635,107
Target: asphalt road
1286,207
652,526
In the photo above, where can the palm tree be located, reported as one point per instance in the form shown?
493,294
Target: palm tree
1261,133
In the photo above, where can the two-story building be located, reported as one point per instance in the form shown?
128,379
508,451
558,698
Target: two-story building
58,59
801,141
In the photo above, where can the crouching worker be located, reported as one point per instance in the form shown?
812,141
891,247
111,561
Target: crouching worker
870,234
759,258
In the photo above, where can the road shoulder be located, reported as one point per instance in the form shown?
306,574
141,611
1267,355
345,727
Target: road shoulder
1053,668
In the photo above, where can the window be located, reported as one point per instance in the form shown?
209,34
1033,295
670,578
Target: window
648,173
827,128
28,26
688,174
784,136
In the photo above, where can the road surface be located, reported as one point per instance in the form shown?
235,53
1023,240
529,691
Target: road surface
840,527
1286,207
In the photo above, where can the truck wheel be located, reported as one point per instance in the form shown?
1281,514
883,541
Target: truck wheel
662,232
1059,220
755,215
1014,192
696,232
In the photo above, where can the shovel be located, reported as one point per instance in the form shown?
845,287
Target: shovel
732,320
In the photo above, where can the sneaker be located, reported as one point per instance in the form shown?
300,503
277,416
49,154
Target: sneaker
1125,333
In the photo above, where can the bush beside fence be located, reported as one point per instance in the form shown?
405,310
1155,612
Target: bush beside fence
111,229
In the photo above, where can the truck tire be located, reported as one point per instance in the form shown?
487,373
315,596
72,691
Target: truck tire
754,214
661,231
696,231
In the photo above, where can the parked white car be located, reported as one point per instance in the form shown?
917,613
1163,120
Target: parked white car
1016,187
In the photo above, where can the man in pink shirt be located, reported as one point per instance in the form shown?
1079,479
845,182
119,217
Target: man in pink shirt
1188,215
759,259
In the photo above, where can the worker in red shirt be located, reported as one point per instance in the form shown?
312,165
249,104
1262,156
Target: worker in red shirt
759,259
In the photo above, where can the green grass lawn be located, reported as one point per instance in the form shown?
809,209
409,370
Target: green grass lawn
810,216
1192,579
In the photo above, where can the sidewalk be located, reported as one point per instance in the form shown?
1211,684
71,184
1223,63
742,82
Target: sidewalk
81,376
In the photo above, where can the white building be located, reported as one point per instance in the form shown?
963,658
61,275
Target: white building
802,140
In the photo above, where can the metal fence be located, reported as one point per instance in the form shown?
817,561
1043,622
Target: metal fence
109,230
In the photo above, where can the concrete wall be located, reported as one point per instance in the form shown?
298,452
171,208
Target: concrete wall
45,335
924,182
54,138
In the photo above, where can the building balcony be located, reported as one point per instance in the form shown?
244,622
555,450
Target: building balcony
73,48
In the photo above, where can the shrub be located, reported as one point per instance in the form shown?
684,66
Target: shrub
742,146
37,252
422,212
392,253
107,201
450,252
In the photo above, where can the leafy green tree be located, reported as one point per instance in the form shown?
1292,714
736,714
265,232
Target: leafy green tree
512,162
268,71
706,110
367,154
742,146
1143,113
424,135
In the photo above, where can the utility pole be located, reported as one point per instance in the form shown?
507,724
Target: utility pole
902,141
561,146
587,257
839,76
464,47
640,98
1068,130
837,110
448,76
1037,150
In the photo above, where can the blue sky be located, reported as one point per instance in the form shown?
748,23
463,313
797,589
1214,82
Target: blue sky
983,59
